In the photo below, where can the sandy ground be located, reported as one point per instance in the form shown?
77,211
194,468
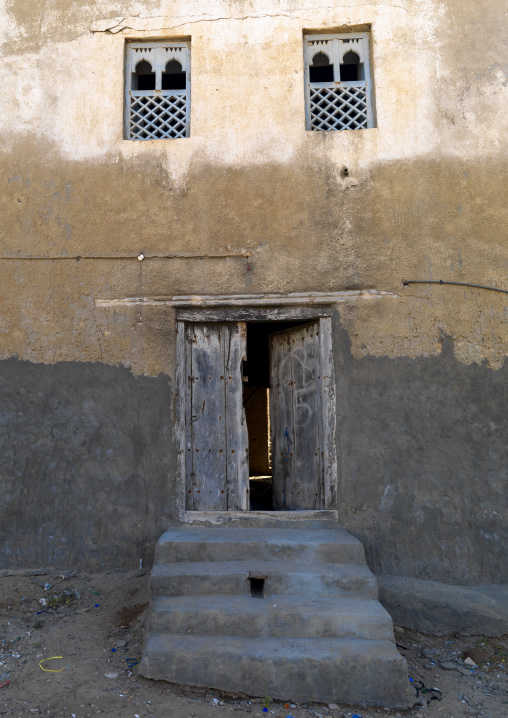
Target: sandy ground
96,624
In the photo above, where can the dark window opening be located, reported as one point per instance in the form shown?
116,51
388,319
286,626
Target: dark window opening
321,70
174,78
257,587
143,78
351,69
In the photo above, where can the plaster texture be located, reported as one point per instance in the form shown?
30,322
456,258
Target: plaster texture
86,451
423,469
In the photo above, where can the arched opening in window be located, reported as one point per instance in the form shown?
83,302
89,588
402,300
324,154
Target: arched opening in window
143,78
174,78
321,70
351,69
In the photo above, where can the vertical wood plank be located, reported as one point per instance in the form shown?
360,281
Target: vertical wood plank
187,411
237,441
281,419
305,361
208,417
157,67
182,435
328,402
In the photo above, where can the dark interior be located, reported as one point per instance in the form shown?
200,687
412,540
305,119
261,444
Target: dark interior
174,78
256,372
321,69
143,78
350,69
257,587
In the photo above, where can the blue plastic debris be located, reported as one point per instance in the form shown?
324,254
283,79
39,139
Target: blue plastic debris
411,680
113,650
96,605
265,710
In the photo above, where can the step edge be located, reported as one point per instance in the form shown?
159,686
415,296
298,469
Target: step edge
263,642
255,564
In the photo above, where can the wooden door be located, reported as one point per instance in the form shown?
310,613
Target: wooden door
297,418
216,443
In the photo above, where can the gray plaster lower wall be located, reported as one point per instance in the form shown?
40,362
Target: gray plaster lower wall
86,465
423,464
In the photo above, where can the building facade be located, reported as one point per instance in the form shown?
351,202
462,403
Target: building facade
150,211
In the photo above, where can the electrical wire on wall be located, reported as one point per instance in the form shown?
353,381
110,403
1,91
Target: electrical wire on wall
405,282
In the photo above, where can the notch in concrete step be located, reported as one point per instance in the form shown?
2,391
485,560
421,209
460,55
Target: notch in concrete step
257,585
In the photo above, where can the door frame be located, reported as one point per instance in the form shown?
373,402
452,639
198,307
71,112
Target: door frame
230,313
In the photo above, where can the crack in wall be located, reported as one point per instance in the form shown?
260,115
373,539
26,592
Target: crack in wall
119,26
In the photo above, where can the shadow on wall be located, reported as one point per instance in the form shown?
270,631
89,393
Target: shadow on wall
422,464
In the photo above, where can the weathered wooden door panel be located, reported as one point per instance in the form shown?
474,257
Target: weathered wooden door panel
281,419
216,462
237,441
206,465
307,416
296,418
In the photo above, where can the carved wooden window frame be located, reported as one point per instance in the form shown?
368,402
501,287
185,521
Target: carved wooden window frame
157,114
338,105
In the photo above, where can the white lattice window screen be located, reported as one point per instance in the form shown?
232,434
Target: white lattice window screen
334,103
158,113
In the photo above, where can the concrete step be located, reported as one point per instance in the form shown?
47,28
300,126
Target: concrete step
261,519
263,544
277,617
282,605
304,669
281,577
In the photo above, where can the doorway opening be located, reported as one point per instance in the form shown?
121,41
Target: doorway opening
256,409
256,404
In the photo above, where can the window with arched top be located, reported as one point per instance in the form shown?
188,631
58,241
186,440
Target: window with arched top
174,77
143,77
351,69
321,69
338,85
157,92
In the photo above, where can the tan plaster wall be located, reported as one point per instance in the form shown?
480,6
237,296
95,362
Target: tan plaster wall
424,198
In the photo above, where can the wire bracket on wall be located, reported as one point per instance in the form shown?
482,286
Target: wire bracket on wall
405,282
141,256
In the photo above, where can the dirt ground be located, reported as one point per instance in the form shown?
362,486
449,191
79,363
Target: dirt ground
96,624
